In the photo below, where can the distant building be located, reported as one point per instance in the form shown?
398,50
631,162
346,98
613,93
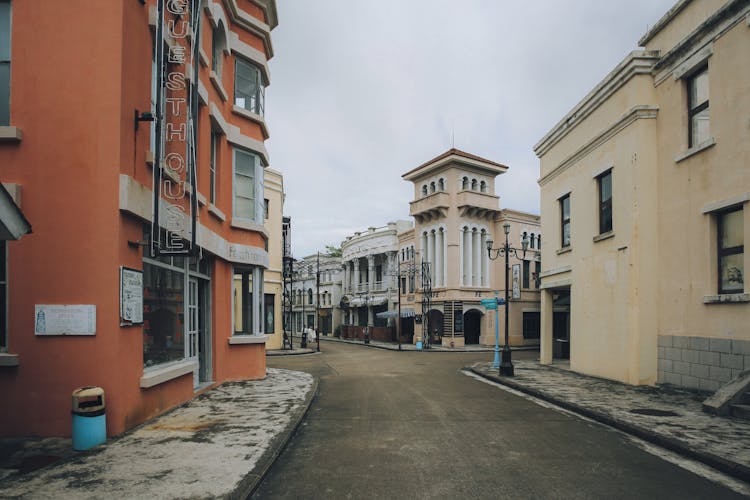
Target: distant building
273,207
456,213
313,297
370,265
644,189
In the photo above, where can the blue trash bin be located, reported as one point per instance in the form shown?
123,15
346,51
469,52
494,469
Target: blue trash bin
89,419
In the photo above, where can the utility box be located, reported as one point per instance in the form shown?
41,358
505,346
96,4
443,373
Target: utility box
89,419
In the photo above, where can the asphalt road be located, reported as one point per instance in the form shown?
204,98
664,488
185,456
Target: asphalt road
410,425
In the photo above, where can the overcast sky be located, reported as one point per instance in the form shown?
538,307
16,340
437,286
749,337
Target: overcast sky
363,91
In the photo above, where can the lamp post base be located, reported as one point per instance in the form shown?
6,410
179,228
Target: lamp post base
506,367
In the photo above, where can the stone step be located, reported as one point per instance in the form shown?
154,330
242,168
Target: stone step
741,411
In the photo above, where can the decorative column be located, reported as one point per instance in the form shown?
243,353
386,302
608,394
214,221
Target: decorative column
355,264
440,258
485,261
469,258
370,277
477,247
545,343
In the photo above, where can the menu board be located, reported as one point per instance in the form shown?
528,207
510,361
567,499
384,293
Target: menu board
131,296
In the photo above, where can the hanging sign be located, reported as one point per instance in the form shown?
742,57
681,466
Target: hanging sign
175,204
516,281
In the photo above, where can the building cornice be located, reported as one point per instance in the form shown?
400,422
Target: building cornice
635,113
250,24
639,62
661,23
455,156
712,28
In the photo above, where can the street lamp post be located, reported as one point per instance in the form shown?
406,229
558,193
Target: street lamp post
506,367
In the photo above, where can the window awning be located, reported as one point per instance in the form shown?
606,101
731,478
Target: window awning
13,224
406,312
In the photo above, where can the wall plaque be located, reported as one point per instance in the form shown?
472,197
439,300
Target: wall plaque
64,319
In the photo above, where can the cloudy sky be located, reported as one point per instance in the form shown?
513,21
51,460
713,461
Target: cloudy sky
363,91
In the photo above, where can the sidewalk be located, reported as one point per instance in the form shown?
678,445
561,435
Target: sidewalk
393,346
667,416
217,445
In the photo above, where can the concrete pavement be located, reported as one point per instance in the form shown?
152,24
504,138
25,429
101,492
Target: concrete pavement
669,417
219,444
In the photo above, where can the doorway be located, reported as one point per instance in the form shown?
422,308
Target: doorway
561,324
472,326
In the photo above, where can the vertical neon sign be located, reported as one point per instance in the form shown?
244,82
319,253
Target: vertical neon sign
175,204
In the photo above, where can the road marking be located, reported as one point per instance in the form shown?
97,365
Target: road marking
697,468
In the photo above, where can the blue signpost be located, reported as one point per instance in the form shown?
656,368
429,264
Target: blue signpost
492,304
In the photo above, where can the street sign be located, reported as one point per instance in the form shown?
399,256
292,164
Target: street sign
489,303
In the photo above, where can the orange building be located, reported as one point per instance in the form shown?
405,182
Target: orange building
88,297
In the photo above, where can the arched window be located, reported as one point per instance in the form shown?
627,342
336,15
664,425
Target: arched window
432,187
465,183
483,187
531,240
441,185
424,190
539,242
473,184
309,296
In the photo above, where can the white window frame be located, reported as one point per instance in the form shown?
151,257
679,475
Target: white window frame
257,216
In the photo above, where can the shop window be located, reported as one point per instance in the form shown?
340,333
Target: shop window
249,92
5,31
269,312
164,305
731,250
604,182
565,220
246,293
698,108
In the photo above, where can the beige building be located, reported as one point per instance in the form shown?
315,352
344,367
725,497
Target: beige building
644,189
273,192
456,212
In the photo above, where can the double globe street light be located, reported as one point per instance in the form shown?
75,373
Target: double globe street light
506,366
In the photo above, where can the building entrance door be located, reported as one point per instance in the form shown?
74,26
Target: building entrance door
472,326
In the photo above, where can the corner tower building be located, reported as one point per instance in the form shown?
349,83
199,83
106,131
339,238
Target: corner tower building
456,212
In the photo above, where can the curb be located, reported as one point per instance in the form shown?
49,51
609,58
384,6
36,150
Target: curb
252,479
728,467
287,352
441,349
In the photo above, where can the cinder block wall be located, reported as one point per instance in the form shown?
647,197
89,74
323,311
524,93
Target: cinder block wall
700,362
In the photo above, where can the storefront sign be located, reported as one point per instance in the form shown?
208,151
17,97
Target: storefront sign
131,296
516,281
173,227
64,319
